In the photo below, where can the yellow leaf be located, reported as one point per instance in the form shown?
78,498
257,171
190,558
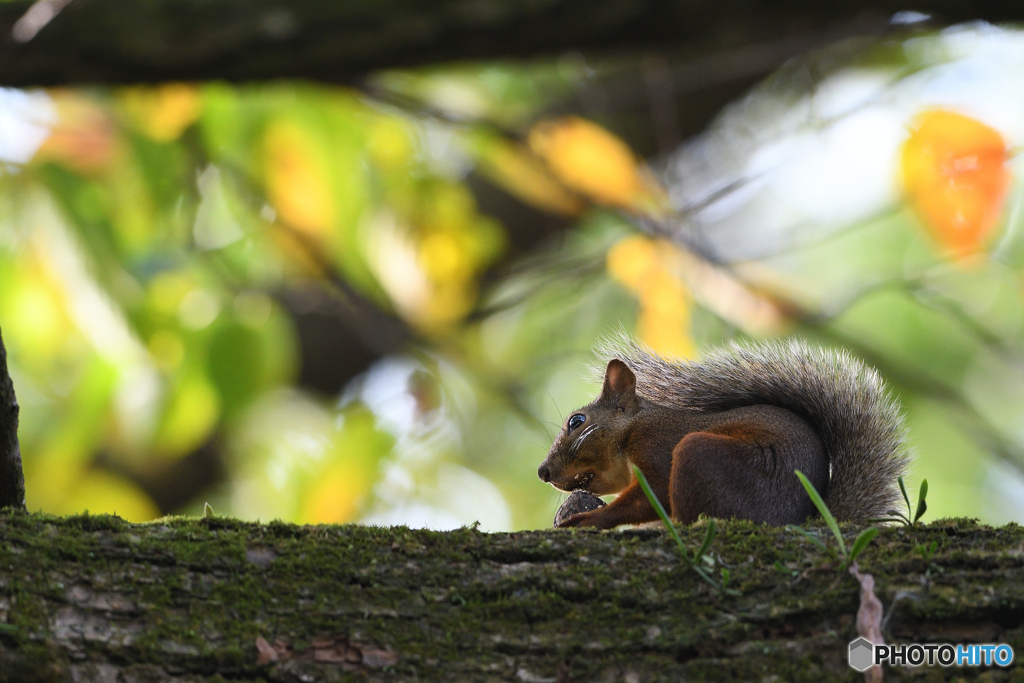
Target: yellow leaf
443,257
336,495
340,489
645,267
163,112
954,173
296,179
668,337
389,142
449,302
588,159
630,259
513,168
36,313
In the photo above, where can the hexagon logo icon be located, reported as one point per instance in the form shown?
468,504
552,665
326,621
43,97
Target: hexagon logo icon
862,654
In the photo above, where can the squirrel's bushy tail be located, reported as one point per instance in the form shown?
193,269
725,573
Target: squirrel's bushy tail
844,400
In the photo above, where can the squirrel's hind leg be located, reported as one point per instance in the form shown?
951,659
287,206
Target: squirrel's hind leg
725,476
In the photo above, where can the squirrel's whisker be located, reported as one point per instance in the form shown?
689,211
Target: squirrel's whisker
579,439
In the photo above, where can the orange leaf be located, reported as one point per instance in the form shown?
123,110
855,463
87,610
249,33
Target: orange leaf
954,173
84,136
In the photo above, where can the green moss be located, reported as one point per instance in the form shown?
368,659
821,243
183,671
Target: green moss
588,603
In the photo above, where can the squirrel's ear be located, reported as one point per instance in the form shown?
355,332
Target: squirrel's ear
619,380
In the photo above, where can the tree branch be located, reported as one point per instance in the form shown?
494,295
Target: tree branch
12,481
96,598
122,41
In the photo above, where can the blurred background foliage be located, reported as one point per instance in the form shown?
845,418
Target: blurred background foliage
326,305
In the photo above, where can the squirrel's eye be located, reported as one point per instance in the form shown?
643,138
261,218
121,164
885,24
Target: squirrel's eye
575,421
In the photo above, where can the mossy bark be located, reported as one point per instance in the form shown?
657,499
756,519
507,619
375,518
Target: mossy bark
96,598
118,41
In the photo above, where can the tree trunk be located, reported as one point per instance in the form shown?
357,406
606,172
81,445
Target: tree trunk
12,481
119,41
96,598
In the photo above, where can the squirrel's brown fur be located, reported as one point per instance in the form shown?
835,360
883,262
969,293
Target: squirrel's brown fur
729,401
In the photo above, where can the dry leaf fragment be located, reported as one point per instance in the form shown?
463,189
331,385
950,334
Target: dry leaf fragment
322,642
267,653
869,618
327,650
329,655
376,659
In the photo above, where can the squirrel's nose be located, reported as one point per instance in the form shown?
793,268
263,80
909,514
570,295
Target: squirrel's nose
544,472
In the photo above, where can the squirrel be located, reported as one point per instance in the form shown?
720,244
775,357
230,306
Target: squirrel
721,437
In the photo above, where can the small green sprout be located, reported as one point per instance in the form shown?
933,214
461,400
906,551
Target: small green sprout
701,554
786,570
926,551
922,506
847,557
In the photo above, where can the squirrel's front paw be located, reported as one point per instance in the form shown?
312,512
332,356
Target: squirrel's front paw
581,519
578,502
